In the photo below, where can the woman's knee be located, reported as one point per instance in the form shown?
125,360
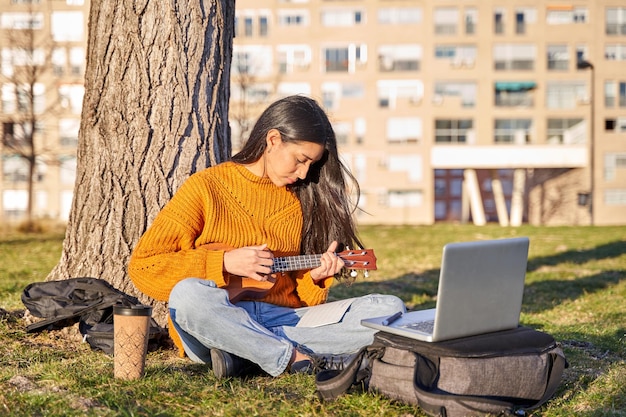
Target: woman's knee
386,303
190,291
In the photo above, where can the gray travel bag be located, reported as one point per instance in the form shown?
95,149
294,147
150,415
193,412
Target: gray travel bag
500,373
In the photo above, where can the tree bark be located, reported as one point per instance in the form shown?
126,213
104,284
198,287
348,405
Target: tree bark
154,111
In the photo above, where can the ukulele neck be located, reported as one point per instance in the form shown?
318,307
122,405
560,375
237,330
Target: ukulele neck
296,263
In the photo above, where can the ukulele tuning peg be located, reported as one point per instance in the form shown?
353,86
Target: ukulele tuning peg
353,273
366,273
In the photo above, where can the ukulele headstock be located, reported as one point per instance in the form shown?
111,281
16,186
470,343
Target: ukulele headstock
359,259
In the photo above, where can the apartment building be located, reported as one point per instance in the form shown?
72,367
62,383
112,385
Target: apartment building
482,111
454,110
42,65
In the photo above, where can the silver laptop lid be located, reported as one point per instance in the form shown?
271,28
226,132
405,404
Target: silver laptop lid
481,287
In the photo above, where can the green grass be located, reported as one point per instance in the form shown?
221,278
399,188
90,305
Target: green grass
575,290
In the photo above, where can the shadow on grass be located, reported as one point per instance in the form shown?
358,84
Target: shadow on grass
545,295
606,251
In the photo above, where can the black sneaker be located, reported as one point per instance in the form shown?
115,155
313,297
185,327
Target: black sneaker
227,365
319,363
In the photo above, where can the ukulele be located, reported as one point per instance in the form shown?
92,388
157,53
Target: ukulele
249,288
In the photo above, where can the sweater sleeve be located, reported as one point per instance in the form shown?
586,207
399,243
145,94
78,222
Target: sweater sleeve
311,293
166,253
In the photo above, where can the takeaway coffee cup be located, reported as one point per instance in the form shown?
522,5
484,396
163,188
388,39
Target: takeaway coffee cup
131,329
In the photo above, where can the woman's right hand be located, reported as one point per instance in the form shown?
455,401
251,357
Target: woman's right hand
250,261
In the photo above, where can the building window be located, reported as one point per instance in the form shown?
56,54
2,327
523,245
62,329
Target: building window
16,99
616,21
558,58
615,197
408,198
77,61
393,58
615,52
465,92
333,92
565,15
514,57
248,26
453,130
446,20
21,21
293,57
471,21
293,17
252,60
68,132
15,169
344,59
71,97
342,132
514,93
263,26
520,23
337,59
399,15
498,21
565,94
67,170
410,164
515,131
58,59
562,130
523,17
360,129
458,55
14,203
404,129
614,161
21,57
610,93
390,92
448,194
67,26
26,2
342,17
615,125
251,93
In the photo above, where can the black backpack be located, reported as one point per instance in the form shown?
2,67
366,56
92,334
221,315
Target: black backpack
86,300
501,373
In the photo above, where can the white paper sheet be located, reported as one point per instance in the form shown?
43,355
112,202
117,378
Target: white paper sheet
324,314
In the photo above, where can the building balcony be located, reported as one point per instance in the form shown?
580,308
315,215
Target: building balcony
509,156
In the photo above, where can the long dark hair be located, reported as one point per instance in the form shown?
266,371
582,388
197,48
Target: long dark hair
323,194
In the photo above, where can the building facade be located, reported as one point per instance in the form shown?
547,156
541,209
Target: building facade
444,110
454,110
42,66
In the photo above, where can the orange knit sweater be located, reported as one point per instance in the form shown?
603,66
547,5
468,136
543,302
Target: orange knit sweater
224,204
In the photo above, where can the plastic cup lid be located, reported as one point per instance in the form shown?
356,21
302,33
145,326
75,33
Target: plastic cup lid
136,310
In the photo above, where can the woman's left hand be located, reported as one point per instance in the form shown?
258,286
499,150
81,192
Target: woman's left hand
330,264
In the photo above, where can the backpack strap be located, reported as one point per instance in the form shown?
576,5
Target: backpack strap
107,302
559,364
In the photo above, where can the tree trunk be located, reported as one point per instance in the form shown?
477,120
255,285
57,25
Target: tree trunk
154,112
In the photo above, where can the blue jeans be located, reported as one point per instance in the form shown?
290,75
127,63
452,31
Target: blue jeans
265,333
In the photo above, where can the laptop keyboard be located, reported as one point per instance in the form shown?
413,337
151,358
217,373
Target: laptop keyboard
421,326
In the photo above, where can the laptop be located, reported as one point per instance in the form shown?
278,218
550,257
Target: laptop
481,286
